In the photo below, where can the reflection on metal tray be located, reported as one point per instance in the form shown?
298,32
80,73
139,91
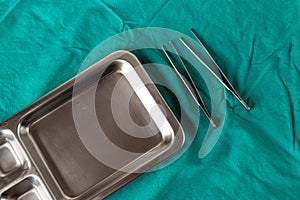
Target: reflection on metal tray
43,154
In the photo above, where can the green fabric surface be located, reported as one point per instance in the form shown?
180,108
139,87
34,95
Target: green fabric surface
256,43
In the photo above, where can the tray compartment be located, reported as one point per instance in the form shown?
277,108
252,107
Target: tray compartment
13,162
29,188
9,162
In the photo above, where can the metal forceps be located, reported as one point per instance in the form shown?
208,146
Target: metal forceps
196,96
222,78
218,74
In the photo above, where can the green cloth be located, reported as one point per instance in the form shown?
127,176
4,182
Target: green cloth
256,43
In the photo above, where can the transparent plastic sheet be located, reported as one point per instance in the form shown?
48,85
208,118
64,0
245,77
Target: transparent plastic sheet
256,43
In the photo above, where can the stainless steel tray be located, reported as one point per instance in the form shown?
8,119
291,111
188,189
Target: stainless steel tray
42,155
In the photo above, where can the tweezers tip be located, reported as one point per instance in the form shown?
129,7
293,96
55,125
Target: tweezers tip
213,124
246,105
164,48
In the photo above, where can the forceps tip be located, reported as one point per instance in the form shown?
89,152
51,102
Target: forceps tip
212,123
246,105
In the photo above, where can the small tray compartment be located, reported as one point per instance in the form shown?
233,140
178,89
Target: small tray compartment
9,162
29,188
13,162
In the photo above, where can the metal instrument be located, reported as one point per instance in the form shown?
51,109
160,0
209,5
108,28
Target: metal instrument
222,78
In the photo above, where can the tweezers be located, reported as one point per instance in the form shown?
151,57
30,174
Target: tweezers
196,96
222,79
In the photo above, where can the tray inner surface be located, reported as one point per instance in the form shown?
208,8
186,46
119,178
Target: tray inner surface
55,135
